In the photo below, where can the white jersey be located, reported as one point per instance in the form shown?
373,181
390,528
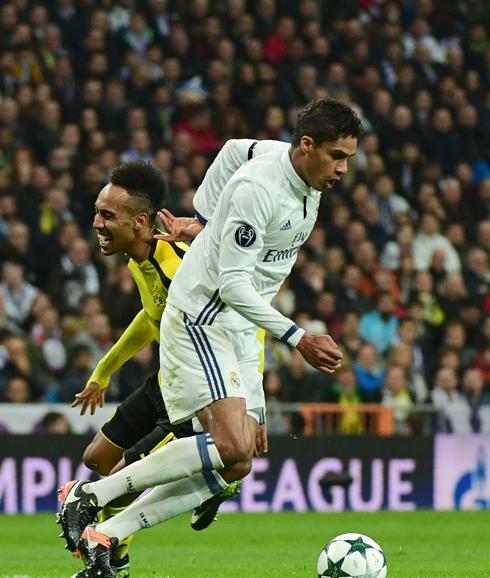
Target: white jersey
231,157
236,265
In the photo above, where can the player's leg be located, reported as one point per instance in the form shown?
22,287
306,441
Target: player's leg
133,419
163,433
160,435
98,542
164,502
199,369
249,349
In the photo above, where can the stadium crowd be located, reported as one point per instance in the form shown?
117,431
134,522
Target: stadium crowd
397,269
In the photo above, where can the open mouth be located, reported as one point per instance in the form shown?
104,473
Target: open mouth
331,183
104,241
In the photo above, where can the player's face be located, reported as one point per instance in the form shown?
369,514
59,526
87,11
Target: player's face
325,164
115,220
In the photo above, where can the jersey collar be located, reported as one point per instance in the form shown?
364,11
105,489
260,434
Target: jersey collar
296,181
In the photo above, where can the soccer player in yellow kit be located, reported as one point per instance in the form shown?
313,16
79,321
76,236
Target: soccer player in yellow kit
125,213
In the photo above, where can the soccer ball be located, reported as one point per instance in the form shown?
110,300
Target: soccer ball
352,556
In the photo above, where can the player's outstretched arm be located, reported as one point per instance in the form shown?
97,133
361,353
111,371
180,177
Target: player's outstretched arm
135,337
178,228
321,352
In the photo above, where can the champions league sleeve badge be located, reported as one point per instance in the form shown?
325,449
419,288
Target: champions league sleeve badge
245,236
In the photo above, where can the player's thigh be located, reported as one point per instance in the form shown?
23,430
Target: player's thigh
198,366
135,417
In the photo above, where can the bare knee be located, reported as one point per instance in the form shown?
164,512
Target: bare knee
100,456
233,433
233,451
95,462
236,471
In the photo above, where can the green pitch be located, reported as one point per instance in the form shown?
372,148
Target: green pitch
417,545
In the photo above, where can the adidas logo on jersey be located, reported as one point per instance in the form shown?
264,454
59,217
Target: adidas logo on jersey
286,226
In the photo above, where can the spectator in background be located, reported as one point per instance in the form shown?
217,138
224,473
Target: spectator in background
379,326
97,336
455,338
407,335
455,207
454,412
422,293
91,82
19,295
327,311
276,420
17,362
54,423
350,296
477,274
407,169
483,236
75,277
334,264
46,342
374,227
401,247
443,141
135,372
18,390
369,373
452,295
8,213
345,392
121,299
391,205
478,399
139,147
6,326
297,382
77,372
401,355
427,240
17,249
198,125
396,395
366,258
482,362
350,339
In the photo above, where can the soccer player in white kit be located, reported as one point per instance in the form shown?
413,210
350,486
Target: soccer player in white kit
248,340
225,283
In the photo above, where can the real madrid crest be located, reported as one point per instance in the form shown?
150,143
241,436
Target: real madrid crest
234,379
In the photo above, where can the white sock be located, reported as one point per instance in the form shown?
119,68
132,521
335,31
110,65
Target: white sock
162,503
180,459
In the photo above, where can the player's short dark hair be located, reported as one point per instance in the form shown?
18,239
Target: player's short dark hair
145,183
326,120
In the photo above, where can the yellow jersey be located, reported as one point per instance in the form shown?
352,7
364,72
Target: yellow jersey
152,277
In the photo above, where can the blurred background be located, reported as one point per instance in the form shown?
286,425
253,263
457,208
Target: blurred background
397,269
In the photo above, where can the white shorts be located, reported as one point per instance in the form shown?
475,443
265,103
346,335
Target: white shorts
201,364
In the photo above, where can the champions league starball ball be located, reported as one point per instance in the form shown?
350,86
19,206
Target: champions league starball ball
352,556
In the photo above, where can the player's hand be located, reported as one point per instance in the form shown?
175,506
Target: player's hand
261,441
93,395
321,352
178,228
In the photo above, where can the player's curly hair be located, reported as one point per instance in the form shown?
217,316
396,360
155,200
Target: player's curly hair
326,120
145,183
